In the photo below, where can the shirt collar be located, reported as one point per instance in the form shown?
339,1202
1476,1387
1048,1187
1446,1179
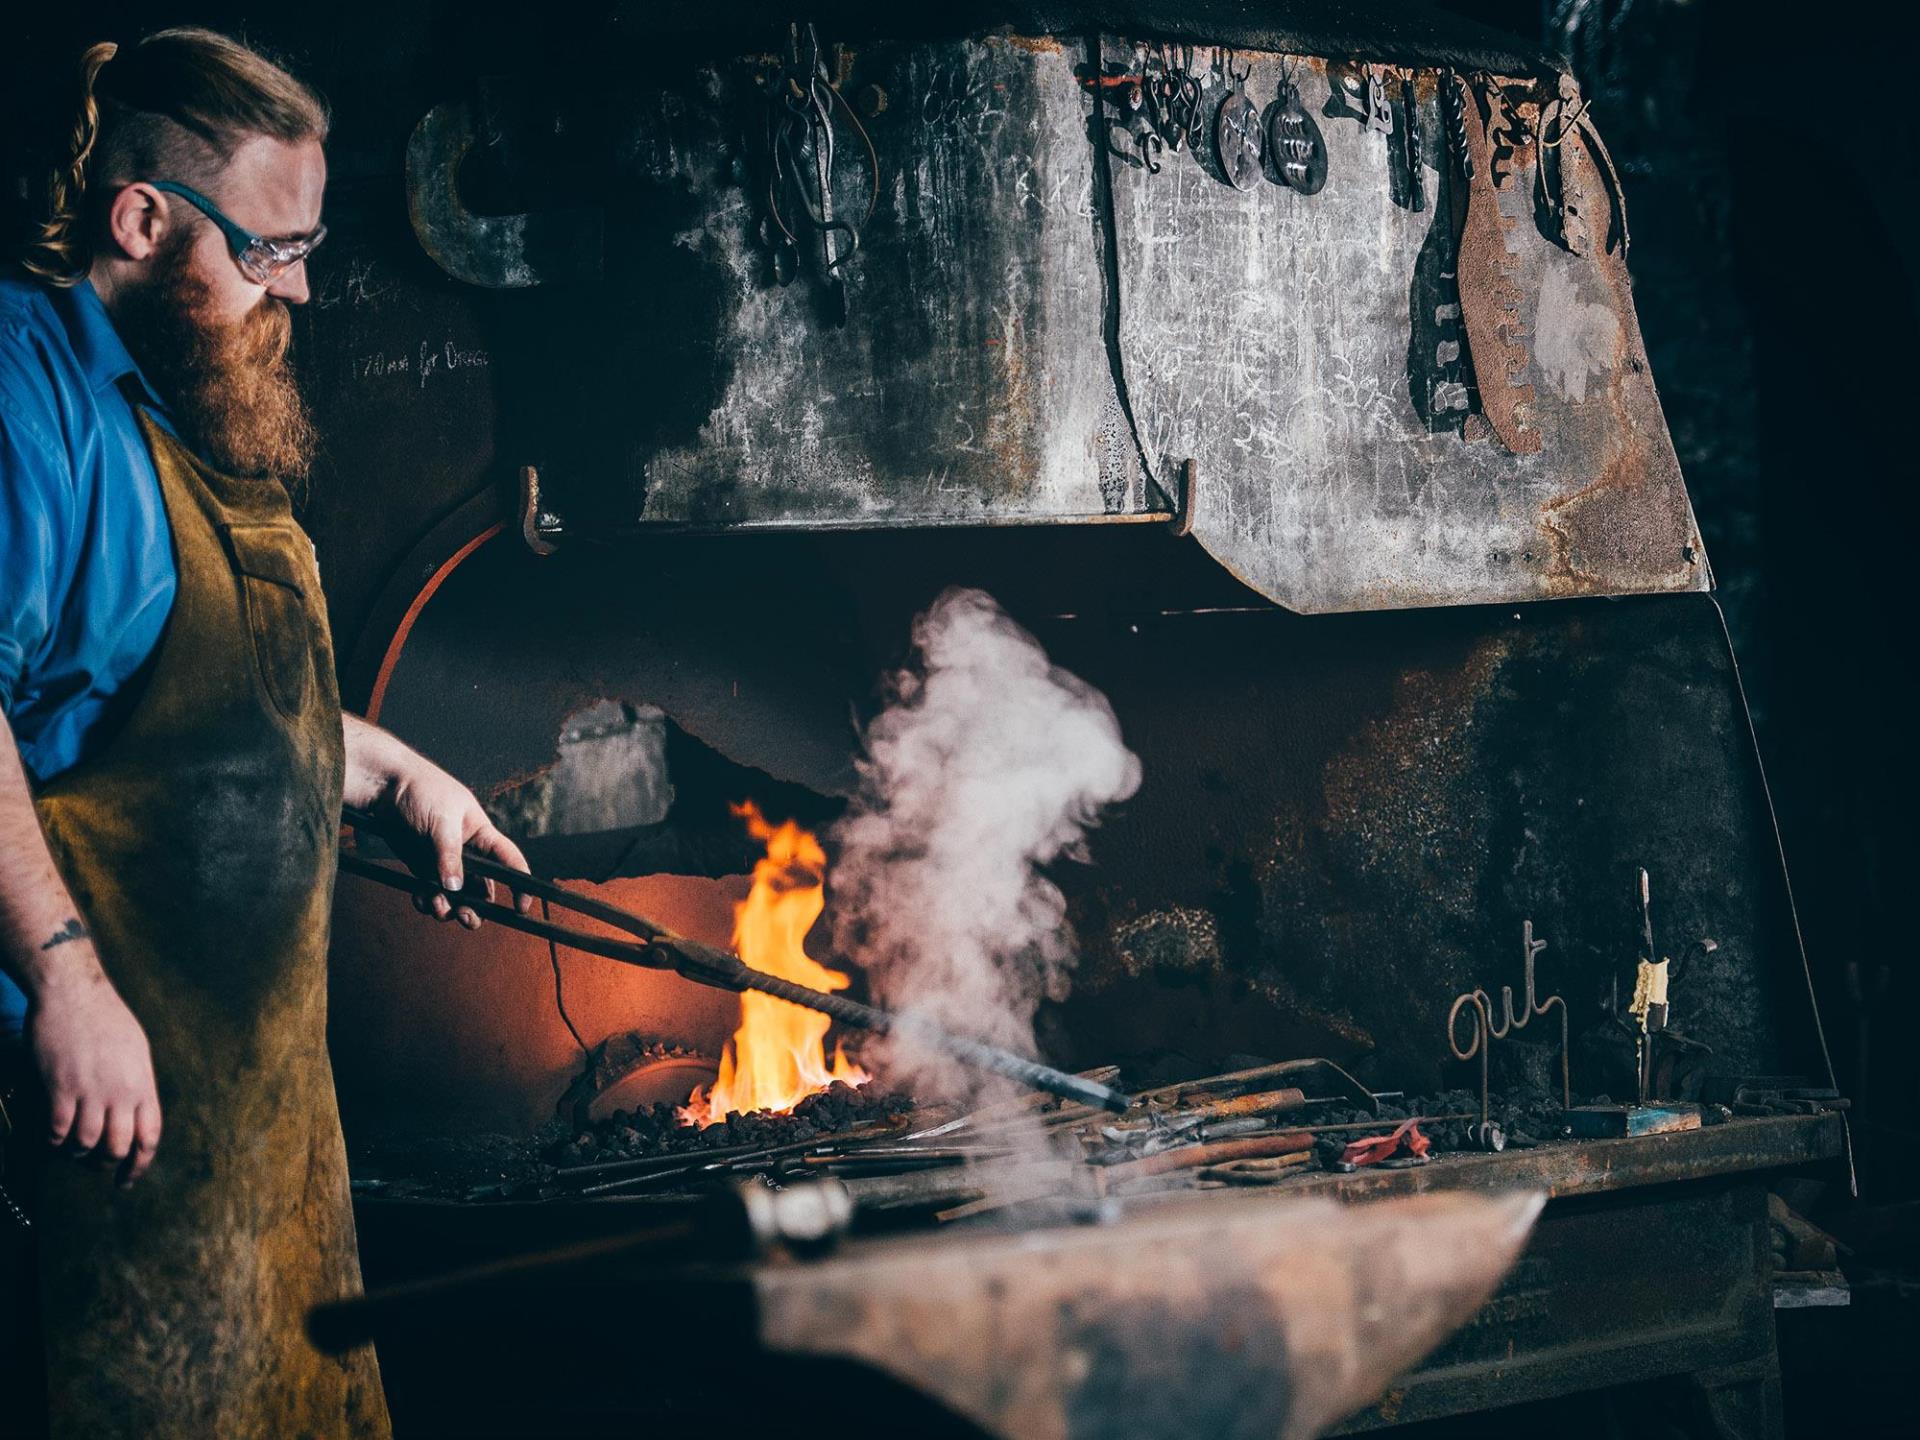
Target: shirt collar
103,355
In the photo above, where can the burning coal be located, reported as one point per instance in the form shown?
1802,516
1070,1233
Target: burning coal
988,763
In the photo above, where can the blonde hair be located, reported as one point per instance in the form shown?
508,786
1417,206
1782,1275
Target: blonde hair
173,107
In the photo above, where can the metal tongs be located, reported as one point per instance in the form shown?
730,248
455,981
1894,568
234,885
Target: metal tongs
658,948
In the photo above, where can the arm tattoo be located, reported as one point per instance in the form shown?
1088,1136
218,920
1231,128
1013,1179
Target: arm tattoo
72,930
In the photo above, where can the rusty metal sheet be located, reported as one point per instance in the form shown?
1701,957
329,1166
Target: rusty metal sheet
1283,343
971,380
1228,1316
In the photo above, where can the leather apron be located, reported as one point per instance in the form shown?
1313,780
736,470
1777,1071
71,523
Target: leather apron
200,847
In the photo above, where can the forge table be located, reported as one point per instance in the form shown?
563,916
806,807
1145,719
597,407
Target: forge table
1650,1260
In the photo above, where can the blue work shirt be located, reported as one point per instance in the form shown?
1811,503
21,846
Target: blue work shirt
86,554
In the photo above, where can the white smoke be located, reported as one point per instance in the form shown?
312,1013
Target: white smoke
988,763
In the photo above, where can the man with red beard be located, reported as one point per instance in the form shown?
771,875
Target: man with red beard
173,760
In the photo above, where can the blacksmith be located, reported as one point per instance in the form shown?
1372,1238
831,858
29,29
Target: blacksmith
173,760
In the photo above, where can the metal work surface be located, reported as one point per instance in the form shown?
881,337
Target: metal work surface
1596,1167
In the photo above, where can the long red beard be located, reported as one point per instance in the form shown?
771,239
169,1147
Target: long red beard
231,387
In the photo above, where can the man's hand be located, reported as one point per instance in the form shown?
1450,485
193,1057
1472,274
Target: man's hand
91,1053
93,1058
383,772
439,808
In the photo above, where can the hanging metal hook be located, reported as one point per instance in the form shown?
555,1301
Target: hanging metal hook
807,103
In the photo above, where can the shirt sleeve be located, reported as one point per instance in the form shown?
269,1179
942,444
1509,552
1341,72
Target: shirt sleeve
36,497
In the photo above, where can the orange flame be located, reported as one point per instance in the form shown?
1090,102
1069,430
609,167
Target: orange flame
777,1056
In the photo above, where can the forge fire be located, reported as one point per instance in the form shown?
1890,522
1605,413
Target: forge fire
998,721
778,1055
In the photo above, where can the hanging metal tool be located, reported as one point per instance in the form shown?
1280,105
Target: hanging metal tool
661,949
1123,120
1173,96
1410,144
1294,142
1443,385
1379,102
1490,301
800,185
1560,189
1236,128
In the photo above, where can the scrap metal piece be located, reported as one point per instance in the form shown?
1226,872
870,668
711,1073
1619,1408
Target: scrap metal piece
492,250
1372,1149
1490,301
1269,1171
1605,1122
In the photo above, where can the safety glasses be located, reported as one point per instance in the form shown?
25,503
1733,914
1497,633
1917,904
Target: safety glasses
261,260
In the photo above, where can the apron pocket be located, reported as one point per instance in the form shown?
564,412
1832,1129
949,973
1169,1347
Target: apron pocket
267,559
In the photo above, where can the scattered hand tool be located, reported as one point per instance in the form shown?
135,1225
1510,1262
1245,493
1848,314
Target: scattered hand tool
1269,1171
661,949
1193,1157
1649,1005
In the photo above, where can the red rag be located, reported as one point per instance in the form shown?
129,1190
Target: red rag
1375,1148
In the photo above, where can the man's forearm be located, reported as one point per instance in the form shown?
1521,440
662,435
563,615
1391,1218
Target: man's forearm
43,938
375,760
383,770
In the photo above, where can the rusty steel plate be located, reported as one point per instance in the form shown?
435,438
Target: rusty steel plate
1285,347
970,381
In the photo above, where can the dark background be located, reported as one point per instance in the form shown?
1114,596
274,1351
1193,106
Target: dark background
1769,158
